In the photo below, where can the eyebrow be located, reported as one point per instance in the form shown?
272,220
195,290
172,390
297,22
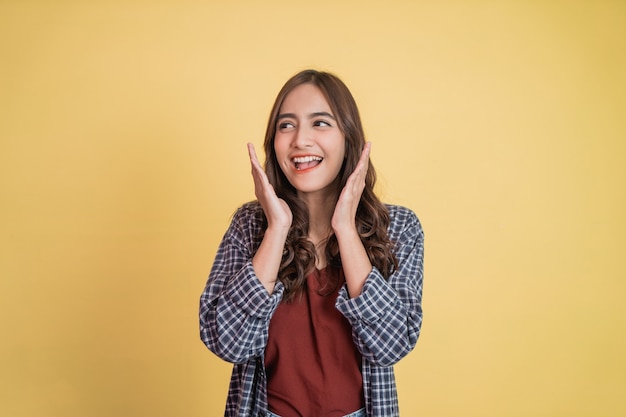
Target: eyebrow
311,116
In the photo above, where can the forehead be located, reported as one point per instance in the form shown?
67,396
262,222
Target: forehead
305,98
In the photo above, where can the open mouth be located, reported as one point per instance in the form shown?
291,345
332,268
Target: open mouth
306,162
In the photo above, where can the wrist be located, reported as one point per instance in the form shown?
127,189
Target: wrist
277,231
347,232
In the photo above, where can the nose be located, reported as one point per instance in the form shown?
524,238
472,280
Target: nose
303,137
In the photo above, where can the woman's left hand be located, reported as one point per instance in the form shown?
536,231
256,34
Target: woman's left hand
344,217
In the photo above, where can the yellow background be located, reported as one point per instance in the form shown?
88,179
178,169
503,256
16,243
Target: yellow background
123,127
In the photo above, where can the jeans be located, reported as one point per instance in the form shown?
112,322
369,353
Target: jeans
358,413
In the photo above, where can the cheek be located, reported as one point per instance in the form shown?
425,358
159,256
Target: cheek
279,147
341,159
343,147
281,152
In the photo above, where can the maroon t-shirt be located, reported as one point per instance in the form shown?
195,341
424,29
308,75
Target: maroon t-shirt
313,366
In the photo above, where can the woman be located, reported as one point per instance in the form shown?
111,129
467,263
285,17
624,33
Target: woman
315,292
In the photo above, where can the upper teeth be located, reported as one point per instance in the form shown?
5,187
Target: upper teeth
302,159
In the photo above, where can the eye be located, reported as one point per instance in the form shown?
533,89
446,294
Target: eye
321,123
285,125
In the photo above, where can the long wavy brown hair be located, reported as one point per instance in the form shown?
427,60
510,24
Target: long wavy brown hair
372,217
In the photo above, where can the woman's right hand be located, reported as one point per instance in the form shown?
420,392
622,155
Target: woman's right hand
276,210
267,259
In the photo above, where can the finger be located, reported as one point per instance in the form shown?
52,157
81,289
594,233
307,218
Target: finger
365,155
253,158
257,169
257,172
361,168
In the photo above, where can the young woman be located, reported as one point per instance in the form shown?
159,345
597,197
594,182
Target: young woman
316,288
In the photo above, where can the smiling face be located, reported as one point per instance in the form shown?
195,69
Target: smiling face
309,146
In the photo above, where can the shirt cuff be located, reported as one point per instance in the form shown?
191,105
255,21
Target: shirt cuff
246,291
374,302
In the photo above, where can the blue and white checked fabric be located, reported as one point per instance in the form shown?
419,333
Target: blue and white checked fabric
235,311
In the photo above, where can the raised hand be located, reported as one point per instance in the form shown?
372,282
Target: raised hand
276,209
266,261
344,217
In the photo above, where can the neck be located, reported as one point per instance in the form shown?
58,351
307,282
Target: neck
321,209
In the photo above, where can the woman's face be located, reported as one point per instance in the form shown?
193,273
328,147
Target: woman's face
309,145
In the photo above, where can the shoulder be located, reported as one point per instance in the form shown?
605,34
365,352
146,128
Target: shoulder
401,215
247,219
251,210
403,220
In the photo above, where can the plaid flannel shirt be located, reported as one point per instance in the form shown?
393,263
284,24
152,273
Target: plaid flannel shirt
235,311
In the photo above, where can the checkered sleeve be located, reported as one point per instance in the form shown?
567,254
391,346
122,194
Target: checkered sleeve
386,317
235,308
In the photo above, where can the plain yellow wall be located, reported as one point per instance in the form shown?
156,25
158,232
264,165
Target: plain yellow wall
122,155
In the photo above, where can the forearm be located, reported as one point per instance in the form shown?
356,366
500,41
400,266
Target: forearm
387,316
266,261
235,310
385,325
355,262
